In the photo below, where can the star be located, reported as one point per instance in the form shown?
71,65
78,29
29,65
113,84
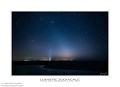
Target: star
16,23
52,22
33,40
86,32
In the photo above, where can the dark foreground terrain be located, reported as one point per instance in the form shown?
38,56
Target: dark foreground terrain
59,67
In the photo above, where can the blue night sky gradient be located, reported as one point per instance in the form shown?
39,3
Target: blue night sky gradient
75,34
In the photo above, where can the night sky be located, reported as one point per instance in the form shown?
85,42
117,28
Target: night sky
80,35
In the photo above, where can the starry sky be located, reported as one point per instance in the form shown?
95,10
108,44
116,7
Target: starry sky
82,35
